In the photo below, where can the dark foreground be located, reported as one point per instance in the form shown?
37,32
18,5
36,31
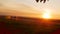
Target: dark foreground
24,25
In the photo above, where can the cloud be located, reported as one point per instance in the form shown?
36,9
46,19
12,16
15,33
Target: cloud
10,7
18,10
16,13
12,4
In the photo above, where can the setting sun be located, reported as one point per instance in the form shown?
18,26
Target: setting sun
46,14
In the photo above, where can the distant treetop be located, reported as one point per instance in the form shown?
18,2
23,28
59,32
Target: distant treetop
41,1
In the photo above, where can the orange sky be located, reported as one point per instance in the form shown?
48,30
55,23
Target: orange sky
29,8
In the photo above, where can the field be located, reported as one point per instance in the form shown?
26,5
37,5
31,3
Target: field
25,25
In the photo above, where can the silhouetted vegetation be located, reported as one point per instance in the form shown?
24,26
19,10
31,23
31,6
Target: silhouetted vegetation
28,25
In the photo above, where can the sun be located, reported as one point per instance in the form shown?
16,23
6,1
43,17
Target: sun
46,14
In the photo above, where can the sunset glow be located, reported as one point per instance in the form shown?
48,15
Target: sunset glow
46,14
30,8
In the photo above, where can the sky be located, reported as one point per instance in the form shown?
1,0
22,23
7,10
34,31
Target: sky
29,8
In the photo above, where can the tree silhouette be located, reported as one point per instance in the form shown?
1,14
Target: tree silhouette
41,1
